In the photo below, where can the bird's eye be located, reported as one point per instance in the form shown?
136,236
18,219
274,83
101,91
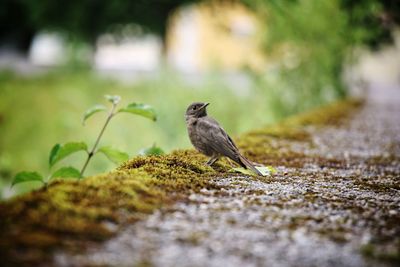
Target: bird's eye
194,108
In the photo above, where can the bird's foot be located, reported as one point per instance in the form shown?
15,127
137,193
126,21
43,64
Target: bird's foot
211,161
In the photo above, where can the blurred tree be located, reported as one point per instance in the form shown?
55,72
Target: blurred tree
312,39
84,19
307,43
372,21
16,28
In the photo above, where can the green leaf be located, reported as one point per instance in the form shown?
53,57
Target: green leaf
144,110
92,111
113,98
266,170
153,150
66,172
114,155
61,151
22,177
53,153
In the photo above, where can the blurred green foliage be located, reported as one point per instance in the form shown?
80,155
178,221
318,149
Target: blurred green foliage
310,42
369,22
307,44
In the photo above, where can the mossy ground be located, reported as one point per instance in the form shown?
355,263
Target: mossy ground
265,146
72,214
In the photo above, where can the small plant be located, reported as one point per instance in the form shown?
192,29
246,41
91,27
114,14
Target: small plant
61,151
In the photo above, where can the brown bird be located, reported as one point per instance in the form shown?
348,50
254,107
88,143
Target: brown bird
209,138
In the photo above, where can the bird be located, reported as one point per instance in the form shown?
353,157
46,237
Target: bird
210,139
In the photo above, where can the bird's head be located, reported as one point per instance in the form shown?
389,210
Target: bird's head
197,110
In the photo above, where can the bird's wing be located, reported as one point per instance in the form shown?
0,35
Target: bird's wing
217,138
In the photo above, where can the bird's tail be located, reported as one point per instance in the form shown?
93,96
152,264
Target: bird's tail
248,165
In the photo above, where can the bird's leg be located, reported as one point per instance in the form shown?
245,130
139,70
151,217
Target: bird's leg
231,163
212,160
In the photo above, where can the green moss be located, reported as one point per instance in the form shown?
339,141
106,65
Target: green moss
83,210
332,114
69,213
293,127
261,145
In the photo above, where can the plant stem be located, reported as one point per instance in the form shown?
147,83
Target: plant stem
91,153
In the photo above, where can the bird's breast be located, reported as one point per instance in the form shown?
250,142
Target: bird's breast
196,138
192,130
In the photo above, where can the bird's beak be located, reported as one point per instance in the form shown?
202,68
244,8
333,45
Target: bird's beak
205,105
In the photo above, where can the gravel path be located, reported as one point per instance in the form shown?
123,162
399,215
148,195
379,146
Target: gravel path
343,210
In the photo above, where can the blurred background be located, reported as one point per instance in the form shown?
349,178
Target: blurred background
255,61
